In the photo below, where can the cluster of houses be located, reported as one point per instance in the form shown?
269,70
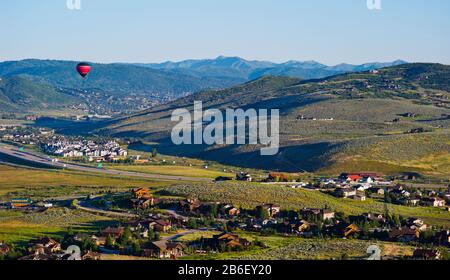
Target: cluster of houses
95,151
21,203
401,195
193,207
307,222
222,242
358,185
313,222
49,249
25,136
303,117
142,227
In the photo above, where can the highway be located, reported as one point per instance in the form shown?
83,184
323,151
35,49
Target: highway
31,157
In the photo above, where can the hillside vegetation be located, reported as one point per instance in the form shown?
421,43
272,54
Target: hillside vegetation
21,94
393,120
251,195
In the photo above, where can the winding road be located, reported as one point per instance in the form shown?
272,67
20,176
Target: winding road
35,158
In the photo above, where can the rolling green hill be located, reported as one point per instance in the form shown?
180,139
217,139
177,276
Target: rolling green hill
373,113
20,94
121,89
118,78
110,89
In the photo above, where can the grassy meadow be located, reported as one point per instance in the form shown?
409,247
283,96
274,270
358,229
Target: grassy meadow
37,183
174,170
294,248
19,228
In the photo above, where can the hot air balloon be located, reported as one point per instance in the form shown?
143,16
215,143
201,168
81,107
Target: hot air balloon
83,69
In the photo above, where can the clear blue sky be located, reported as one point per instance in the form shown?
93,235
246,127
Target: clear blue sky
329,31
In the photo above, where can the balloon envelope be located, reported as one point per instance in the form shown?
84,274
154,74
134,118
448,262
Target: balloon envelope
83,69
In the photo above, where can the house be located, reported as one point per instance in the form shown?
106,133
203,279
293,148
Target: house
136,225
189,205
345,192
321,214
269,222
160,225
360,196
374,217
327,214
426,254
366,180
98,240
345,230
351,230
20,202
277,177
91,256
362,187
411,201
143,202
139,227
142,193
44,245
113,232
414,223
272,209
302,226
4,249
243,176
31,118
404,234
228,240
164,250
355,177
434,202
233,211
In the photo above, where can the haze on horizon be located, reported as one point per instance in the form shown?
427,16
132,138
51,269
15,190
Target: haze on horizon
327,31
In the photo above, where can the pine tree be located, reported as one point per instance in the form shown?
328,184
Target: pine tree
109,242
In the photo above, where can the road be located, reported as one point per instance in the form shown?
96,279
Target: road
47,161
85,206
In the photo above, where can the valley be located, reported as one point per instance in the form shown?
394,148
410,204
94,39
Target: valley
363,160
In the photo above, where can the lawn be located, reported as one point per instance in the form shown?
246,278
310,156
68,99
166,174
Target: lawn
174,170
16,231
15,228
40,183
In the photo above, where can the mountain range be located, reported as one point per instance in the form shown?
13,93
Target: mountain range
239,68
119,89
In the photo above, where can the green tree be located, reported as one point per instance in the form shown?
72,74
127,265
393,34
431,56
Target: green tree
136,248
192,223
74,203
109,242
157,236
214,210
261,213
154,152
151,234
